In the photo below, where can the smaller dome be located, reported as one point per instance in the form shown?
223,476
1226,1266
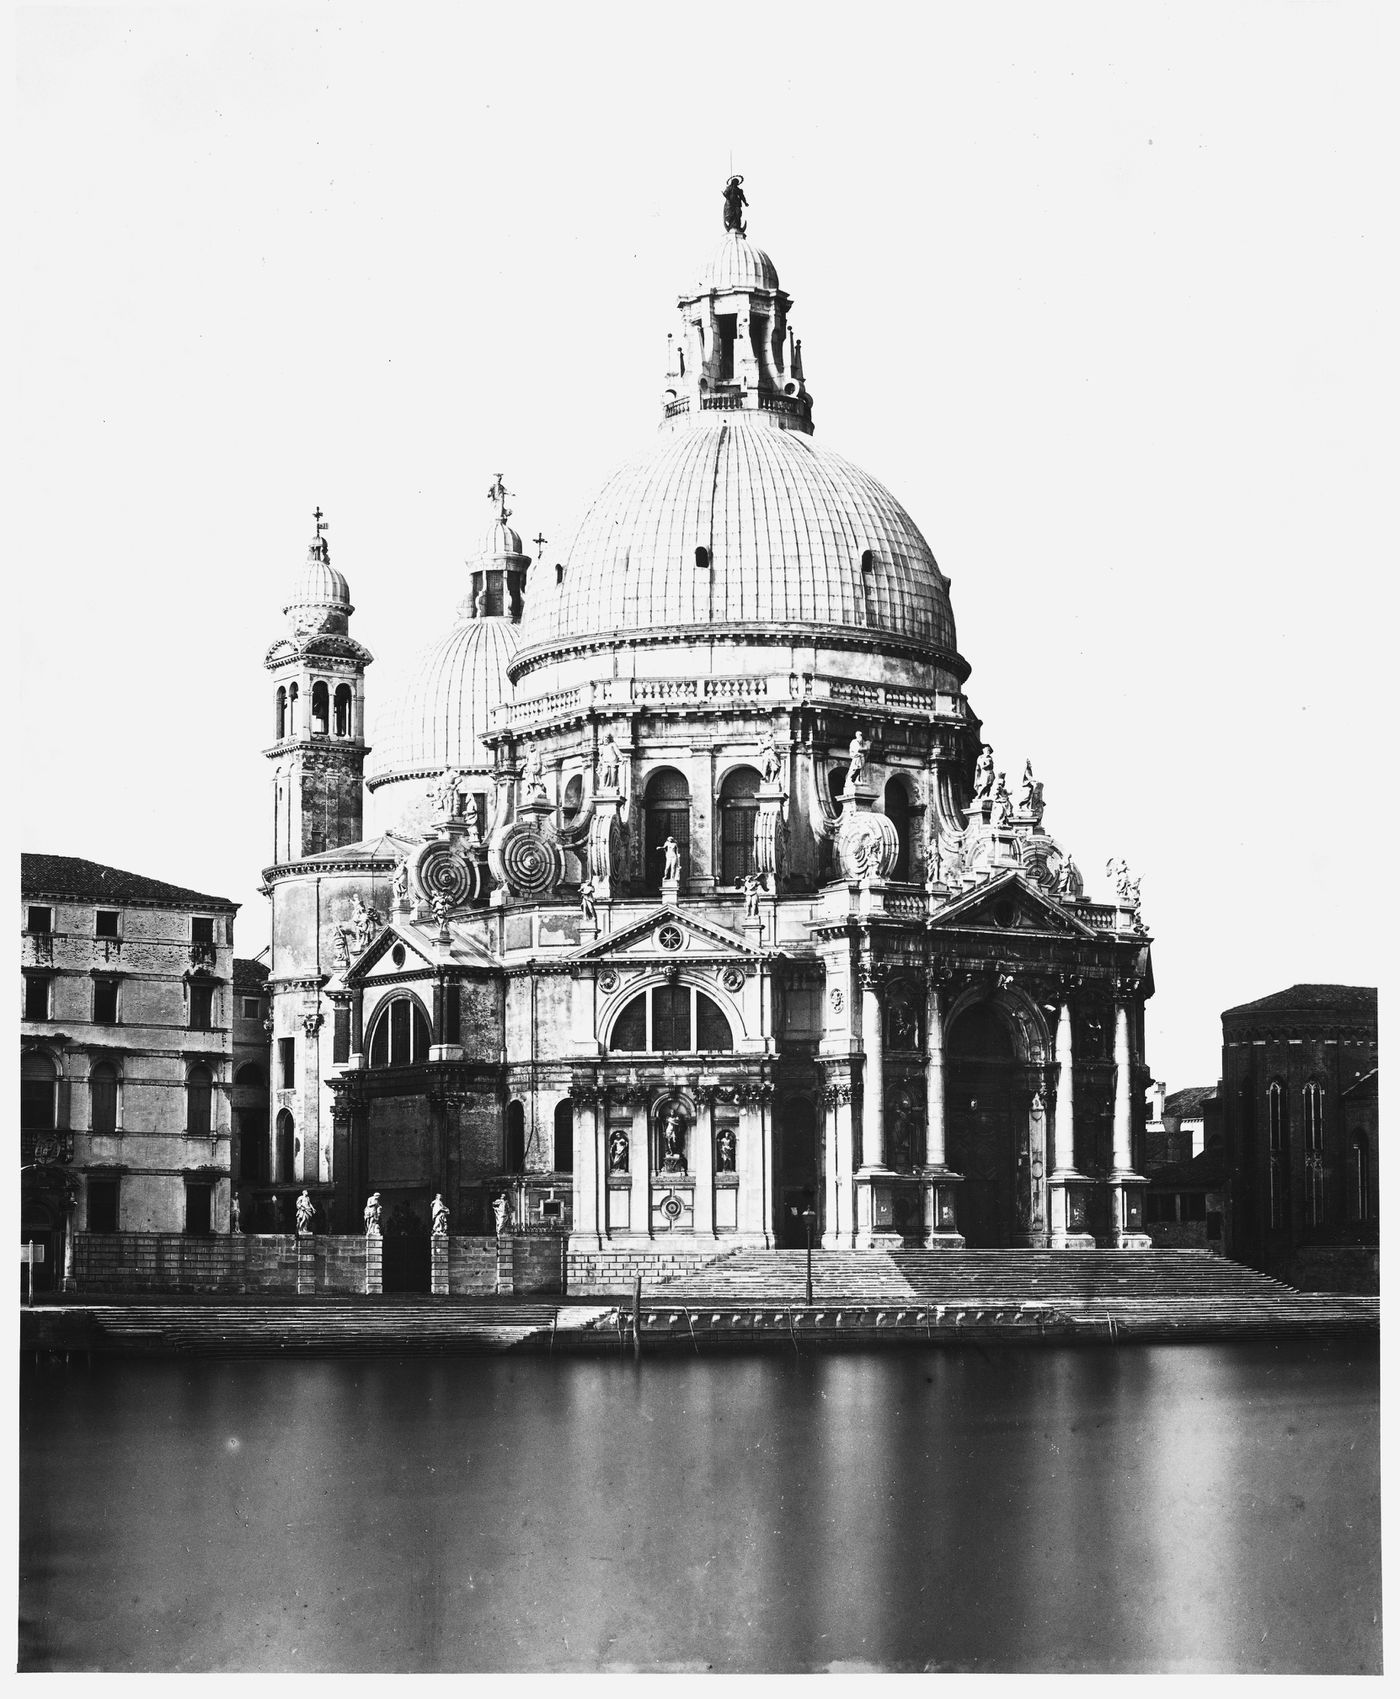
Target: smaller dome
737,264
500,540
437,716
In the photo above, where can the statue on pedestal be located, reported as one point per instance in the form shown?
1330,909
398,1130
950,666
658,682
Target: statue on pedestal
671,864
306,1214
735,200
985,776
673,1142
400,885
440,1215
587,907
235,1215
500,1208
753,890
860,747
609,763
725,1146
372,1214
532,773
444,793
769,762
470,817
619,1151
365,922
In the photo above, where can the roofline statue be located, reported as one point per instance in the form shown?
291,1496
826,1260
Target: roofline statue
735,200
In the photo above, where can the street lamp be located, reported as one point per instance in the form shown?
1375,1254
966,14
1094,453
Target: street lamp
809,1215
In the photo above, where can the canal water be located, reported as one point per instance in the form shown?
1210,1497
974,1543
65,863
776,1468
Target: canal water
1169,1508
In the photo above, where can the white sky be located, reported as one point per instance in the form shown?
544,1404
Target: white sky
1105,294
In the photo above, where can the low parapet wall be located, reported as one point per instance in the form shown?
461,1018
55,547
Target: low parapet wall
235,1262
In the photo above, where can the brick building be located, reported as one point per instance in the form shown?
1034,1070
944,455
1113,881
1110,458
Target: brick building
125,1053
1299,1072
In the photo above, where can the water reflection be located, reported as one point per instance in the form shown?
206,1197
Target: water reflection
1097,1509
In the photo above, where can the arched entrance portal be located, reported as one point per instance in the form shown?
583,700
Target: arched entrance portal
984,1141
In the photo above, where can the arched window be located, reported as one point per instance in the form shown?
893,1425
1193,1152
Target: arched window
667,816
281,712
286,1146
564,1136
102,1087
515,1137
738,815
292,695
573,799
251,1076
702,559
400,1036
38,1094
1314,1173
672,1017
342,710
1359,1180
320,707
897,813
1277,1153
199,1097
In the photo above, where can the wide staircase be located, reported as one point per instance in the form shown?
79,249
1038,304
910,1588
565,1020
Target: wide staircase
1162,1292
383,1327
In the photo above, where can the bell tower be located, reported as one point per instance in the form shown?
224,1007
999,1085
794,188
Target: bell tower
318,707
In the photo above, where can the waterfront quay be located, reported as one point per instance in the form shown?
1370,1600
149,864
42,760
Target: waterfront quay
744,1301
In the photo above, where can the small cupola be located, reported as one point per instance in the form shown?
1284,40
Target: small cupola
319,599
498,567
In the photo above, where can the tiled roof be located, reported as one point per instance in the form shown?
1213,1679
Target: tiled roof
248,975
439,711
785,523
1322,999
1189,1102
386,847
90,881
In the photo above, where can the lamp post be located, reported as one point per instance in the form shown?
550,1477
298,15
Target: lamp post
809,1215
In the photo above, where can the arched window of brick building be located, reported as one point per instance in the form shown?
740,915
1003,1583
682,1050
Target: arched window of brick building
1314,1174
320,707
1278,1154
342,710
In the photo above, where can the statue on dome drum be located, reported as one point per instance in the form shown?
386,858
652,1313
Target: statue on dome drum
306,1215
752,885
586,905
440,1215
619,1152
532,773
735,200
445,792
671,862
372,1216
609,763
673,1142
471,817
985,777
860,748
770,763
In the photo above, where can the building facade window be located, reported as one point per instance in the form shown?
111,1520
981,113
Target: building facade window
202,929
401,1035
199,1101
104,1001
1278,1154
564,1136
103,1208
36,996
251,1007
672,1017
1314,1171
201,1006
281,712
38,1094
199,1207
738,816
667,816
320,708
107,923
286,1151
102,1088
39,919
897,813
342,710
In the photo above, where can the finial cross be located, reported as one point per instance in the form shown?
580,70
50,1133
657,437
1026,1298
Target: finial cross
322,523
498,493
539,542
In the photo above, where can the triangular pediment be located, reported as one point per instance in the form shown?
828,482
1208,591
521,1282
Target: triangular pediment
397,950
650,937
1009,903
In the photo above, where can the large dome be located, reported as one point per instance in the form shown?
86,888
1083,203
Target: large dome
436,718
792,534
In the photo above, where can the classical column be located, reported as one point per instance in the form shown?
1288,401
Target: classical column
830,1192
702,1161
640,1169
590,1161
1122,1094
1064,1097
936,1143
873,1038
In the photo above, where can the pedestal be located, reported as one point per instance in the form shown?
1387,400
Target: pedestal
670,892
374,1264
941,1210
1126,1194
306,1266
1069,1211
875,1228
440,1280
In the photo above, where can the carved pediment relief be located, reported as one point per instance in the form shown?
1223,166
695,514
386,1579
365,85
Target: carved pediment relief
1010,904
667,935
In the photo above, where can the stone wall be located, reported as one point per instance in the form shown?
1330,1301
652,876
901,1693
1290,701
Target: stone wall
612,1271
1334,1268
235,1263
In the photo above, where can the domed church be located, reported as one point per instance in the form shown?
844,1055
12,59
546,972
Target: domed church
697,913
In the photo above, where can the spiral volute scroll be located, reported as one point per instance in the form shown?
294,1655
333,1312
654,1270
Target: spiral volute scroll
606,861
867,846
443,870
526,862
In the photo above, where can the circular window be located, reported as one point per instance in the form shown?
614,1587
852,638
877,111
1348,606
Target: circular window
670,937
400,955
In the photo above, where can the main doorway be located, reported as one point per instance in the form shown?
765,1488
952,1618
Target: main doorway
407,1248
798,1170
983,1141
